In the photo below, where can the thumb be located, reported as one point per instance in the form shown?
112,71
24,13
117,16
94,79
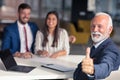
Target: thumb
88,52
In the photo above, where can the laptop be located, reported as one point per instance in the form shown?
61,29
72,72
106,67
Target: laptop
10,63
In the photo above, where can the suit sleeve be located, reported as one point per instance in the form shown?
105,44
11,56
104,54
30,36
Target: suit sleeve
6,39
34,29
107,64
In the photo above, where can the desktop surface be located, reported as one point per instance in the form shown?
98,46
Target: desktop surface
44,73
41,72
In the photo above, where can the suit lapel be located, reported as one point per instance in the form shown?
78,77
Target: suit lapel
92,51
100,48
16,31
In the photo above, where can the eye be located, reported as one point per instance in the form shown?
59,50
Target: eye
99,26
92,26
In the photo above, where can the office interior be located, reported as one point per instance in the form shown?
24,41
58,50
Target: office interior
75,16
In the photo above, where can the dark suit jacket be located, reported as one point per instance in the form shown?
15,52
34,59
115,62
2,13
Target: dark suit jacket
11,37
106,59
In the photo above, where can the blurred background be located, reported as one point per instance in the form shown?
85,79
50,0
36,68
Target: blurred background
75,16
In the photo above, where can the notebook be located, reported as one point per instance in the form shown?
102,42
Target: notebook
10,63
58,67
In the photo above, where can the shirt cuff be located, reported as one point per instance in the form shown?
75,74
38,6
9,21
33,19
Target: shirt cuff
91,77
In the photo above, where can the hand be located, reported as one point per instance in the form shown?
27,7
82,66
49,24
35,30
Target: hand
72,39
58,54
87,63
27,55
18,54
43,53
55,55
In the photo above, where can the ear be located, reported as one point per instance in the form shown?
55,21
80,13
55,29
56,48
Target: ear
110,30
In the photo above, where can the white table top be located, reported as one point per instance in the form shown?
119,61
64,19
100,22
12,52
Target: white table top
44,73
40,72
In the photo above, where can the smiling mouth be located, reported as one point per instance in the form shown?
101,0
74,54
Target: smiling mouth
50,23
96,35
25,18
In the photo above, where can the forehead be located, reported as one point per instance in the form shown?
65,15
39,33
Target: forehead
101,19
51,15
26,10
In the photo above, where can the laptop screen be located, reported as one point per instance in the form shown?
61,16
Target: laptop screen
7,59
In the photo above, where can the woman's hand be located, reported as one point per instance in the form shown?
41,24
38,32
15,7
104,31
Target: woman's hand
43,53
55,55
58,54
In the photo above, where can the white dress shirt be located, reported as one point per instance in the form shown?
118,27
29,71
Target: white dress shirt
22,36
63,42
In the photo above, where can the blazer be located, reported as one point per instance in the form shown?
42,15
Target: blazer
106,59
11,37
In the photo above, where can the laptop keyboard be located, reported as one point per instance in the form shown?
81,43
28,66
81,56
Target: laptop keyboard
17,68
21,68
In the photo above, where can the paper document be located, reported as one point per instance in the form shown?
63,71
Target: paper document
58,67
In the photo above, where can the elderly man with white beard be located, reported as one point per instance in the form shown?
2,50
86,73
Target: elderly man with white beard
104,56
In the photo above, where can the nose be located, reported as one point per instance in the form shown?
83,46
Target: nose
26,15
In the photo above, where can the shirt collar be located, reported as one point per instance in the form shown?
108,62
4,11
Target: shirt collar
21,25
96,45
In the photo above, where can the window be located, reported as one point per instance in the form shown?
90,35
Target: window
8,9
63,7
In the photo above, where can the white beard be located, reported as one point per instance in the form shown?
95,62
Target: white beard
99,37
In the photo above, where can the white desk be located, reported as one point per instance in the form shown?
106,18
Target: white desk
115,75
44,73
40,72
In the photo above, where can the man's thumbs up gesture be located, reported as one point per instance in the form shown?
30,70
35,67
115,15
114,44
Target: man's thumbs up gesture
87,63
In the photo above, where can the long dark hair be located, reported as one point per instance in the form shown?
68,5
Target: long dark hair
45,31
